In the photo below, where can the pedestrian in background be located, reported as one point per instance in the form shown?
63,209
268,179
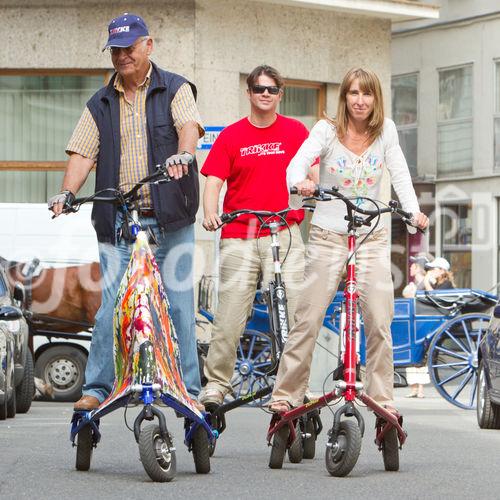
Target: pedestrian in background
417,275
438,276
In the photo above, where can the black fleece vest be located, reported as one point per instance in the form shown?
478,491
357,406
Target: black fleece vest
175,203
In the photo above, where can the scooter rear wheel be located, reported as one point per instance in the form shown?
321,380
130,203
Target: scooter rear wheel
84,448
296,450
278,449
201,448
390,450
343,453
309,443
157,455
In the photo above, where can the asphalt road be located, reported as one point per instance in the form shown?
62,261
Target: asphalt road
446,456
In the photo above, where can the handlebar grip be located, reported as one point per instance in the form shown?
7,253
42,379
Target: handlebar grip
225,218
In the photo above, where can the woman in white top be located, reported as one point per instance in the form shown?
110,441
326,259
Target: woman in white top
354,150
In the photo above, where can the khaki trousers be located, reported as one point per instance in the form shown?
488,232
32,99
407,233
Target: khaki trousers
241,263
325,262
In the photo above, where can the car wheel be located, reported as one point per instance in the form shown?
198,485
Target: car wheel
11,404
488,413
62,366
3,404
26,389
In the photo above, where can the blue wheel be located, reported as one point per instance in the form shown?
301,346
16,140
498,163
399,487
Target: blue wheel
254,360
453,361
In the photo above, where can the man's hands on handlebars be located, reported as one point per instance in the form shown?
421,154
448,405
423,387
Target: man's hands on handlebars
58,203
212,222
177,165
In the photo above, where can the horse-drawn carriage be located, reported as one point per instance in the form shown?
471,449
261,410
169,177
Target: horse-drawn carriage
441,329
59,307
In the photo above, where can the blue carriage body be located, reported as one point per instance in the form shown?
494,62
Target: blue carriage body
414,324
417,319
441,328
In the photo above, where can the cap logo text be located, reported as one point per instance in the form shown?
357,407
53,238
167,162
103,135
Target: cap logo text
121,29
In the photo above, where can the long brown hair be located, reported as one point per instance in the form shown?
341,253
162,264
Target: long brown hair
368,82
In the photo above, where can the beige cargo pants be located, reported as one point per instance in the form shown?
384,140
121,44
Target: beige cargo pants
325,261
241,263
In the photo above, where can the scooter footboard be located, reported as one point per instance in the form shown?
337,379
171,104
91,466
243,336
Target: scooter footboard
388,419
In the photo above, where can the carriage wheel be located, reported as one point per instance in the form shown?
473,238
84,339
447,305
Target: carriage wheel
453,358
252,364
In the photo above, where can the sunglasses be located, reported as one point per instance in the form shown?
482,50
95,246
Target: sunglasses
260,89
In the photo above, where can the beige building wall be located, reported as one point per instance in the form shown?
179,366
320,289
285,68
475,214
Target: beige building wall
211,42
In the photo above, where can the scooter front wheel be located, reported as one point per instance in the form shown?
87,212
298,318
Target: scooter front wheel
278,449
390,450
342,453
157,454
201,448
84,448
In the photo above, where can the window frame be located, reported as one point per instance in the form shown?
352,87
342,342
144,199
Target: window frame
321,87
455,121
451,248
32,166
415,125
496,110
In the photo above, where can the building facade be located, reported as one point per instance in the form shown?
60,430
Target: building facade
446,104
52,62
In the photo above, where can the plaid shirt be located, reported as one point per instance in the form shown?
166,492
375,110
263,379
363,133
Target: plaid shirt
133,133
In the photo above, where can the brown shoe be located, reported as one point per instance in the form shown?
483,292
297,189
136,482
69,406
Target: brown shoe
86,403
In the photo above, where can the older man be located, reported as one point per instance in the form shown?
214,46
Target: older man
143,117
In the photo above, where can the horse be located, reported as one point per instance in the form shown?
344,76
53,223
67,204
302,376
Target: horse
71,293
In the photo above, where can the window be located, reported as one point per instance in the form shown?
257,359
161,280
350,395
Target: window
498,247
405,116
304,101
456,240
496,119
39,112
455,121
3,287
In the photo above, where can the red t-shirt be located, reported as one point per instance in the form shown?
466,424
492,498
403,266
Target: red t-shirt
253,161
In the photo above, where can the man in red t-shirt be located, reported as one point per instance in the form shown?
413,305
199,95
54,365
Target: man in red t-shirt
251,156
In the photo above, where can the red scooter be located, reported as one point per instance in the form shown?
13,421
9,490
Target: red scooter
344,438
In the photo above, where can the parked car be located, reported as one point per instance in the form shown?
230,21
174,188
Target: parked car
17,383
488,393
7,387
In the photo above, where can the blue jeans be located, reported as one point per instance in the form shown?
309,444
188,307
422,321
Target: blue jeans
174,256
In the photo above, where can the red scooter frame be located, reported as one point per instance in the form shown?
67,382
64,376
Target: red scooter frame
344,438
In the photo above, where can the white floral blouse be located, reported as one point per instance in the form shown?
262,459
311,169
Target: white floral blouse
355,175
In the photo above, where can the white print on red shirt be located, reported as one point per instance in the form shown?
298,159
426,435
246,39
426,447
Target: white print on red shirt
270,148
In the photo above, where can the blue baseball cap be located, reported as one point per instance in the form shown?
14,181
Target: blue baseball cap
125,30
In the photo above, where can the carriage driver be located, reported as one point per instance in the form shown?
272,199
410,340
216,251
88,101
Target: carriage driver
142,117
